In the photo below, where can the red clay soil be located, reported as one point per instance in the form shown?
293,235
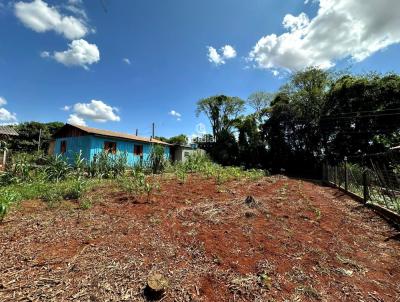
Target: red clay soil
297,242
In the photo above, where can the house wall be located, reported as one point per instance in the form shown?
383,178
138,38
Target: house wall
74,145
182,153
92,145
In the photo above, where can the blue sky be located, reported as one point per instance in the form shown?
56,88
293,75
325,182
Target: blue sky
137,61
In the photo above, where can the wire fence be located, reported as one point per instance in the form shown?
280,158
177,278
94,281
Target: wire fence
376,181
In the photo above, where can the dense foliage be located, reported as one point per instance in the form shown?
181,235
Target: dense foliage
315,116
29,133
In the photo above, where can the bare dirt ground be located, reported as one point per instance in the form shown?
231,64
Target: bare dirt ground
297,242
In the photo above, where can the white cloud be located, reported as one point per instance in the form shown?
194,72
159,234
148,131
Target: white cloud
214,57
76,7
228,52
41,17
219,58
6,117
66,108
341,29
126,61
80,53
45,54
95,110
76,120
174,113
3,101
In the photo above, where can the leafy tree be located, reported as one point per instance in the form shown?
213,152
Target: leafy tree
28,139
259,101
292,130
225,150
181,139
361,116
221,111
251,146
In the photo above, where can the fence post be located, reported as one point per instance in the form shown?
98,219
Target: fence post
4,159
346,176
336,175
365,186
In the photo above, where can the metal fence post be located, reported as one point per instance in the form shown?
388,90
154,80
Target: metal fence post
346,176
336,175
365,186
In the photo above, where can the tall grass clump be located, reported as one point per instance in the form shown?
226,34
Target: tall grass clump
106,165
202,164
137,183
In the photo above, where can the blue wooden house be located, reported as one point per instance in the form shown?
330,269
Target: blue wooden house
72,139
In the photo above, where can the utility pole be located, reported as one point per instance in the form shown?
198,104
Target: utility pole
40,137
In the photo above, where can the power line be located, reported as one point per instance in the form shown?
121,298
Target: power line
365,111
361,116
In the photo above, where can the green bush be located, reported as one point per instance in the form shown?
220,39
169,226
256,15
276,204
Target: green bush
7,197
157,161
57,168
198,163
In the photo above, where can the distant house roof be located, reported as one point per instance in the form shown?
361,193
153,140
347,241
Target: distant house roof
108,133
7,130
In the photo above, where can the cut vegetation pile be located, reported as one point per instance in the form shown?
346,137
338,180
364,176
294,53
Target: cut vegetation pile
208,237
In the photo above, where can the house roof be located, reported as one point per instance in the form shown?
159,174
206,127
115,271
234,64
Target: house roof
114,134
7,130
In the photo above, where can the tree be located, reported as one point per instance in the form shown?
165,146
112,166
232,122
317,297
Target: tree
28,139
259,101
250,143
181,139
221,111
361,116
292,130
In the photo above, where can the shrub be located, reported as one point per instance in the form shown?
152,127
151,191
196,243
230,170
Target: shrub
74,189
57,168
52,195
133,184
7,197
157,161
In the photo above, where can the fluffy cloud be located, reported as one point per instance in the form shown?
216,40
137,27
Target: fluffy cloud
219,58
80,53
228,52
76,120
126,61
3,101
96,111
175,114
341,29
6,117
41,17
